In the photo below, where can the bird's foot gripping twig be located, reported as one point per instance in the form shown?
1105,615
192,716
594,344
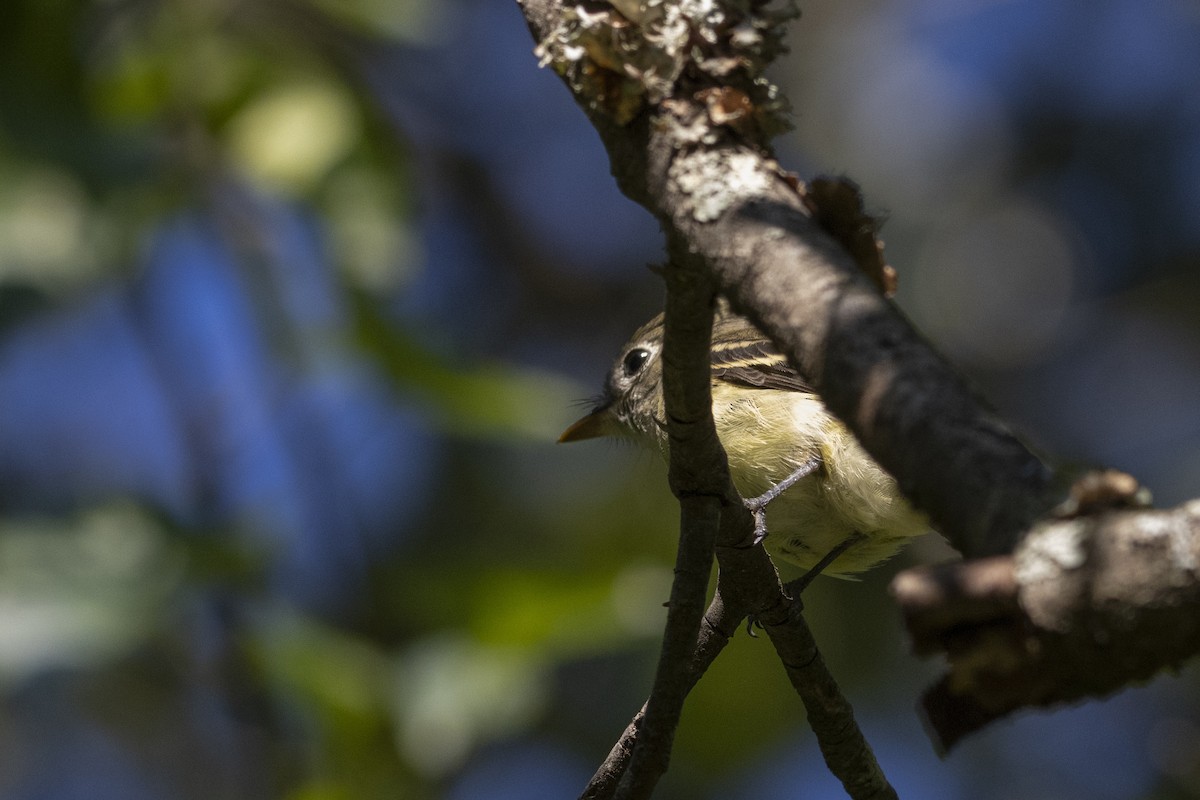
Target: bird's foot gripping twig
758,505
795,588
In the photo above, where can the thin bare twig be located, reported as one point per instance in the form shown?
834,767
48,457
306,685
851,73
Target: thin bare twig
699,477
718,626
749,585
846,751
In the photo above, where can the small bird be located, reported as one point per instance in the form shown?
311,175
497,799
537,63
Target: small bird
833,509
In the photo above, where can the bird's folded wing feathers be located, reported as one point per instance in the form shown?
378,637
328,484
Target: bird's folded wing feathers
755,364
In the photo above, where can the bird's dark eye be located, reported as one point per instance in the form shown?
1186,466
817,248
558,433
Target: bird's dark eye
635,359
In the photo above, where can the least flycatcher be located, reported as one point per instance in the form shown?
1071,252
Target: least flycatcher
831,506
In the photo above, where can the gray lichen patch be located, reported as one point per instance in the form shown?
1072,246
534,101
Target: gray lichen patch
634,52
712,182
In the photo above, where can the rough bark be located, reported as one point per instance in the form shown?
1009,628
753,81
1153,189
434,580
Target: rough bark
1085,607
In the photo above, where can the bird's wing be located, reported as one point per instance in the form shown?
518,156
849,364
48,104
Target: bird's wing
756,364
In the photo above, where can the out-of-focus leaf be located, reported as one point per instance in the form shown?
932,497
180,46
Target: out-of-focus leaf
488,400
408,19
743,701
452,694
339,676
370,235
80,593
340,688
291,136
46,227
178,60
323,790
569,614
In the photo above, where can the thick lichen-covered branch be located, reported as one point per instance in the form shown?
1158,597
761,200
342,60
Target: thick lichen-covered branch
1087,605
623,56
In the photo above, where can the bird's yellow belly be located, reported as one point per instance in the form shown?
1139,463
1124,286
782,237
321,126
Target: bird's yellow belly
848,494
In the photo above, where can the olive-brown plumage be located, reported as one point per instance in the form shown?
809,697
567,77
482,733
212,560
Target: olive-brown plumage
771,422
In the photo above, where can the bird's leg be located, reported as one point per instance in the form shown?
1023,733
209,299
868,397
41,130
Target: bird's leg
795,587
758,508
758,505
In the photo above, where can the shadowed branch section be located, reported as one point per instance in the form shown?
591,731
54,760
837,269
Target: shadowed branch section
1086,606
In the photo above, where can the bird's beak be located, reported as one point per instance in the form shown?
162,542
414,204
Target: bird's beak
600,422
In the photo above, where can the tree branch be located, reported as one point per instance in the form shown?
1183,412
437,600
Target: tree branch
679,99
1085,606
749,585
713,184
720,623
699,477
847,754
846,751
